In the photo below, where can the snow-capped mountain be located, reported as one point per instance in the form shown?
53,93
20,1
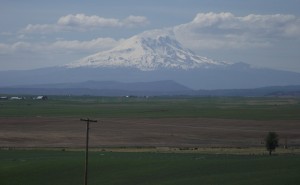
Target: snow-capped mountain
154,56
150,50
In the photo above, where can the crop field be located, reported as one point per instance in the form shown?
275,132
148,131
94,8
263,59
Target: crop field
64,168
154,121
266,108
156,140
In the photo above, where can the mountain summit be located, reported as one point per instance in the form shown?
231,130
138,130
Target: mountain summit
150,50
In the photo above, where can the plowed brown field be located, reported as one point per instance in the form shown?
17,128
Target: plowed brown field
172,132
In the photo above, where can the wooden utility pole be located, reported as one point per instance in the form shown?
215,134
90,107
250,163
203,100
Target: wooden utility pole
87,147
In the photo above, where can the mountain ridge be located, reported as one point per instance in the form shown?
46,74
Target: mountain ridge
231,77
160,88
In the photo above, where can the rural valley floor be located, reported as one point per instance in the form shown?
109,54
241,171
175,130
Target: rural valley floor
150,141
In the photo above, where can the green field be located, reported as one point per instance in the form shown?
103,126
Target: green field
20,167
266,108
55,167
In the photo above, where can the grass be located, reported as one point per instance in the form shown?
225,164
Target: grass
42,167
32,167
164,107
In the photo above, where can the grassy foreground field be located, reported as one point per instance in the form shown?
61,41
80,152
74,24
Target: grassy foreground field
33,167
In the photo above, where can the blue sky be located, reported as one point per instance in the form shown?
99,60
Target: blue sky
36,34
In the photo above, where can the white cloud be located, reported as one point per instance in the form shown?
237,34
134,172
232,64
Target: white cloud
82,22
94,45
41,28
15,47
26,55
225,30
132,21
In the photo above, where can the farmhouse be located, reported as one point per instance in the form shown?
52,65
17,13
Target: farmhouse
15,98
41,98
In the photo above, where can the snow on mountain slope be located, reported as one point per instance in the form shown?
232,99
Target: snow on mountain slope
148,51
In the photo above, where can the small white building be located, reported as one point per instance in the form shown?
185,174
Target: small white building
15,98
41,98
3,98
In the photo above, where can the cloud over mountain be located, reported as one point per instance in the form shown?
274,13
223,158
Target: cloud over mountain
226,30
95,45
257,39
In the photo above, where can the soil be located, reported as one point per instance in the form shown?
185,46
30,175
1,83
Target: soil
170,132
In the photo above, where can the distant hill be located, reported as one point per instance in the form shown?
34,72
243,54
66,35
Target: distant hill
156,88
106,88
